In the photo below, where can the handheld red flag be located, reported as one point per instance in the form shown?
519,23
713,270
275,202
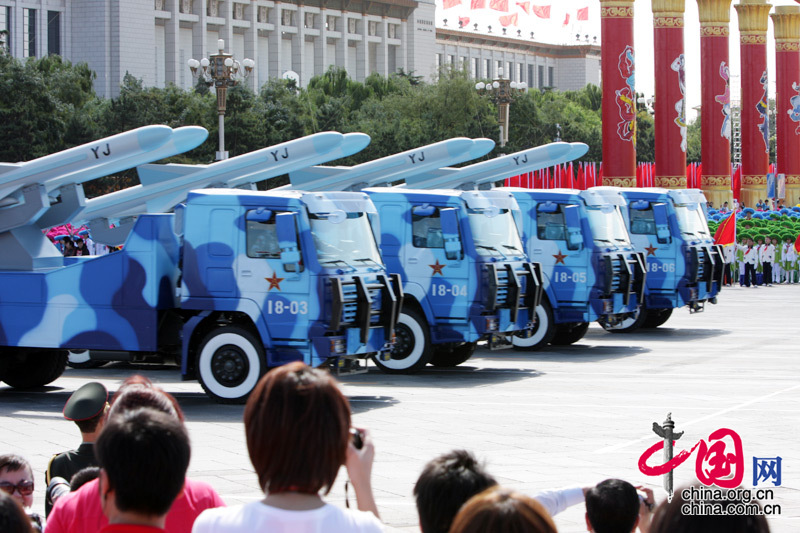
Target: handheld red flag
797,244
583,13
726,232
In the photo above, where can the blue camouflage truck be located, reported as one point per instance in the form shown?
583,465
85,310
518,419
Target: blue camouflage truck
465,273
684,266
590,269
230,284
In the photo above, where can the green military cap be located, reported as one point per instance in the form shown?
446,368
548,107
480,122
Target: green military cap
86,402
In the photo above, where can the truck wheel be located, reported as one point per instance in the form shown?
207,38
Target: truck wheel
542,332
412,349
656,317
569,333
230,362
453,356
35,369
80,359
628,325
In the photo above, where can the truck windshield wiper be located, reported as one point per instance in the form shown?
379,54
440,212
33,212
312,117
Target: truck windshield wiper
491,248
333,261
365,259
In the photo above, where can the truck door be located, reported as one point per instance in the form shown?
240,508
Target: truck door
650,234
560,249
436,261
272,273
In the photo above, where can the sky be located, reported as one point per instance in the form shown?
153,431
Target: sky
552,30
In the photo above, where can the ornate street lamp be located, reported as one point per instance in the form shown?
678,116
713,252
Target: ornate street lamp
221,71
502,92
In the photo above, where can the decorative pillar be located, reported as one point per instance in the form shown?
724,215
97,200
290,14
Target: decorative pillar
715,77
619,93
670,101
786,20
753,22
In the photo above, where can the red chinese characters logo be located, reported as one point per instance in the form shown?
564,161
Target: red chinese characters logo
715,464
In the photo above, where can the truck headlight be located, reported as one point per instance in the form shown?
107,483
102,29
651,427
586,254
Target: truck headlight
491,323
338,345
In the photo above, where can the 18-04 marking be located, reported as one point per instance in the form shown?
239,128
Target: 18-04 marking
441,289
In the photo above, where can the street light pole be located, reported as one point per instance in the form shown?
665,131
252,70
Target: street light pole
502,91
221,71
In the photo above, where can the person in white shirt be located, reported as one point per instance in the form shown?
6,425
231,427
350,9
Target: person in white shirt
767,257
448,481
298,431
750,261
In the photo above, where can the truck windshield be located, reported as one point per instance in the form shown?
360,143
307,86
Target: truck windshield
347,240
608,226
691,221
495,235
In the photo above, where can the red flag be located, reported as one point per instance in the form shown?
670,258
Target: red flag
583,13
796,243
525,7
451,3
566,20
726,232
464,21
499,5
477,4
543,12
509,20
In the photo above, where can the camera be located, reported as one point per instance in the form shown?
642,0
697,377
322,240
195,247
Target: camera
357,437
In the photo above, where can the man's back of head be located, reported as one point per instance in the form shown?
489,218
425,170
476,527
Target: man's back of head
446,483
143,456
612,507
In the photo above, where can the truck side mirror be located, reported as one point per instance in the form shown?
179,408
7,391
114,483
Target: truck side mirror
287,241
452,242
572,219
662,223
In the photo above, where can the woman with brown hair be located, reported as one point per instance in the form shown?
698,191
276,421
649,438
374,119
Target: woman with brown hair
499,510
297,425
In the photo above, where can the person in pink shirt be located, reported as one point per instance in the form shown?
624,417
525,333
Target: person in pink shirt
80,511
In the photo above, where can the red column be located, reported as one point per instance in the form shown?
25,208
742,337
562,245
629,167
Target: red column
619,93
670,105
753,22
786,20
716,100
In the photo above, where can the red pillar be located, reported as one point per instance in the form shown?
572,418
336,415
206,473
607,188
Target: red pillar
716,100
786,20
619,93
753,22
670,105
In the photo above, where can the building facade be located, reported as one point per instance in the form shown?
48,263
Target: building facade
153,40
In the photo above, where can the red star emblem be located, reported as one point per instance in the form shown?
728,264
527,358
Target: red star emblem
274,282
651,250
560,257
437,268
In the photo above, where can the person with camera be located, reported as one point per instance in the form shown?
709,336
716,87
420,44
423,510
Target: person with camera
298,431
615,506
87,408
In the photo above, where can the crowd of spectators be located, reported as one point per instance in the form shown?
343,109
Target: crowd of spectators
299,434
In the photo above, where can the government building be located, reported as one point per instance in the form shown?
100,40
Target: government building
154,39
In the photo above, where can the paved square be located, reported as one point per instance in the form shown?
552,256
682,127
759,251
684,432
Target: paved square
572,415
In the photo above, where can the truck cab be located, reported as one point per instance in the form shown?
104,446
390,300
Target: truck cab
590,270
684,266
274,277
464,271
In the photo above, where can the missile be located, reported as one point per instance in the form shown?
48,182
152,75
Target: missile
164,186
391,168
351,144
496,169
78,161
